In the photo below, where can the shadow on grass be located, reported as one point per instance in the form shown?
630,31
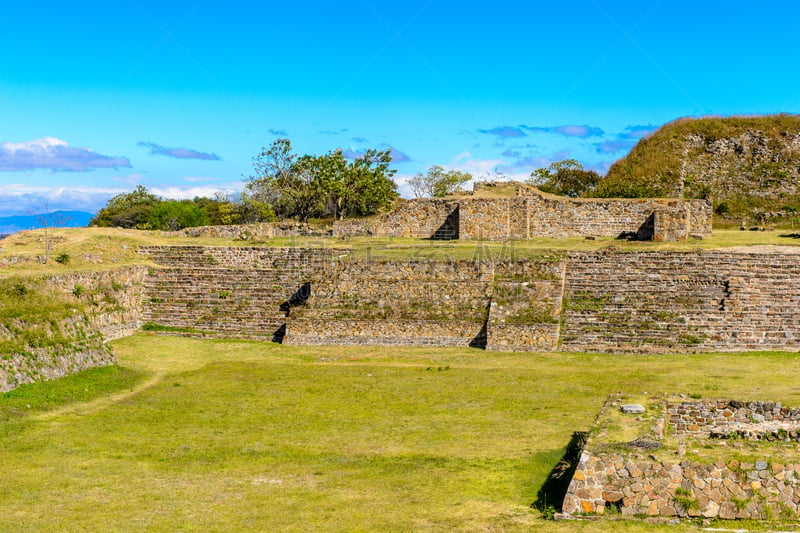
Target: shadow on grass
552,493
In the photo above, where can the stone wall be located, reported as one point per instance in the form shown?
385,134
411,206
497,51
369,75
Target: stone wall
702,419
638,302
317,296
651,476
229,291
250,232
420,218
635,486
104,305
533,214
395,303
526,305
114,298
651,302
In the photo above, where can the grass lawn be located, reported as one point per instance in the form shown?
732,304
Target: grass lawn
191,435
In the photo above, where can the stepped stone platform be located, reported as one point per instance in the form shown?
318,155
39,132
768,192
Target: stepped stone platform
624,302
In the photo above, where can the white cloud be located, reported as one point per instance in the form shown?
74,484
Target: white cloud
20,199
54,154
187,193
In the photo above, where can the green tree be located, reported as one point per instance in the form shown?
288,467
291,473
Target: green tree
321,185
287,183
565,178
172,215
128,210
438,182
357,188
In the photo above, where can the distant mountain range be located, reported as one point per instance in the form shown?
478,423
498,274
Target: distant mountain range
62,219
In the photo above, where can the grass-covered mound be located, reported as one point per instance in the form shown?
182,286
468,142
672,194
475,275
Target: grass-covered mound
749,166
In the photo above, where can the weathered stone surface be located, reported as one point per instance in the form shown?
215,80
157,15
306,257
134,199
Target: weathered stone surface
632,408
532,213
113,309
727,490
642,302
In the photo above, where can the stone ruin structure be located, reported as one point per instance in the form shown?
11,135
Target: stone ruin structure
510,210
623,302
652,476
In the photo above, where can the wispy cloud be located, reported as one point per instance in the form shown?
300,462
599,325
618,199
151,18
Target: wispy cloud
20,199
187,193
637,132
614,146
624,141
54,154
178,153
525,165
279,133
570,130
505,131
360,140
333,132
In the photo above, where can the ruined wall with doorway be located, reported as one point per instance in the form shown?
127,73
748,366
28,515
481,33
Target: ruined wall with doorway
532,213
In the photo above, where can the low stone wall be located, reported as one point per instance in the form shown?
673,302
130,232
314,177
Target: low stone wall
247,257
382,332
634,486
420,218
735,483
701,418
250,232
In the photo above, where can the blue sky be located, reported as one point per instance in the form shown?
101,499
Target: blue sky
97,96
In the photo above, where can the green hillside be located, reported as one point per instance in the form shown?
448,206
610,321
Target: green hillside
748,166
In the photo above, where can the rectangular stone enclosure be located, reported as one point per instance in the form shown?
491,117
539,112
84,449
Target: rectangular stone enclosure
716,459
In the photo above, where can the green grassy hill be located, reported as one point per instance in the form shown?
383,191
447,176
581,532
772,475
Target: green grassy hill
748,166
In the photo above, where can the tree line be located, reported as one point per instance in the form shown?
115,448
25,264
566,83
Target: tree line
285,185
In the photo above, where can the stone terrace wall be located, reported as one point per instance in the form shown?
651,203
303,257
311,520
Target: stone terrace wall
111,304
267,230
115,298
318,297
395,303
728,490
662,302
526,305
551,216
236,292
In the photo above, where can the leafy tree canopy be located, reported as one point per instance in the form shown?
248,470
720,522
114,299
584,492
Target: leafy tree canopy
140,209
438,182
565,178
309,186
